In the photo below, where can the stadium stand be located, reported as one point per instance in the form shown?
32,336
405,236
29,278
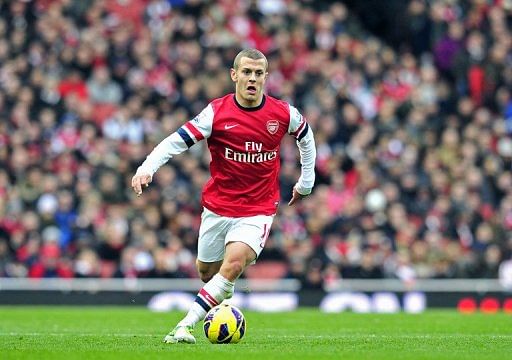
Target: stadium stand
414,137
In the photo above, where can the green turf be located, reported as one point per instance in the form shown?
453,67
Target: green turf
136,333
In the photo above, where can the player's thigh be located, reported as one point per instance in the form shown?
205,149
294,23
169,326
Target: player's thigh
212,233
252,231
237,251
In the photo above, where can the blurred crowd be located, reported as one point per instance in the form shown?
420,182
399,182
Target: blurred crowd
414,168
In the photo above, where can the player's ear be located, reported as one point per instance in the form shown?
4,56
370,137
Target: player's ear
233,74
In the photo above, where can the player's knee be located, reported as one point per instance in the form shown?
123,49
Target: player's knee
234,267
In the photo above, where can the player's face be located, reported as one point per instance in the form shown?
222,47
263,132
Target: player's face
250,79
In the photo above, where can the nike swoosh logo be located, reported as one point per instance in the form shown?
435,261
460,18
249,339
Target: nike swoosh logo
227,127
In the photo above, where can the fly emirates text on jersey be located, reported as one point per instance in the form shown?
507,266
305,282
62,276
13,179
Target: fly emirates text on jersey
250,156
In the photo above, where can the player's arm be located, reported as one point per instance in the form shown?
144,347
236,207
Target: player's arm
186,136
300,129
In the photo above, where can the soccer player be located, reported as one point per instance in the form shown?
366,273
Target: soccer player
244,131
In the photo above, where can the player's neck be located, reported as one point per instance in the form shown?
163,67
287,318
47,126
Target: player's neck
249,105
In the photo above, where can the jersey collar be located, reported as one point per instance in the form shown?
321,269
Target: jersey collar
250,108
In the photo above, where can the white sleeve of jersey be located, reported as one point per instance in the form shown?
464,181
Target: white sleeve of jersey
187,135
297,122
202,123
300,129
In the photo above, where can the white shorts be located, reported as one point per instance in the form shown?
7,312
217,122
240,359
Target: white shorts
217,231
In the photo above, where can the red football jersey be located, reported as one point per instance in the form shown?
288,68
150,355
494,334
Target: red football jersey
245,149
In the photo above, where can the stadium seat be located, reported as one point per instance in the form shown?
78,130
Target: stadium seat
107,269
266,270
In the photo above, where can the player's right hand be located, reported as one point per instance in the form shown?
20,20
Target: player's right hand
140,181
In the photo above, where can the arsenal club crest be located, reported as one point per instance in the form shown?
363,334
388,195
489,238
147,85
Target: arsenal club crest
272,126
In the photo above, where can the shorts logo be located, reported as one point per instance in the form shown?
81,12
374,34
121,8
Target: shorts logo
272,126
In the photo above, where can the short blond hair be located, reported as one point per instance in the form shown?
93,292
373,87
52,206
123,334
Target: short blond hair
254,54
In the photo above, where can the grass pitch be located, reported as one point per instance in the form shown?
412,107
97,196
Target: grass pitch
136,333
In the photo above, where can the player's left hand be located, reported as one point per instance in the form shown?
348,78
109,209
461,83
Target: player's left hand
295,197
